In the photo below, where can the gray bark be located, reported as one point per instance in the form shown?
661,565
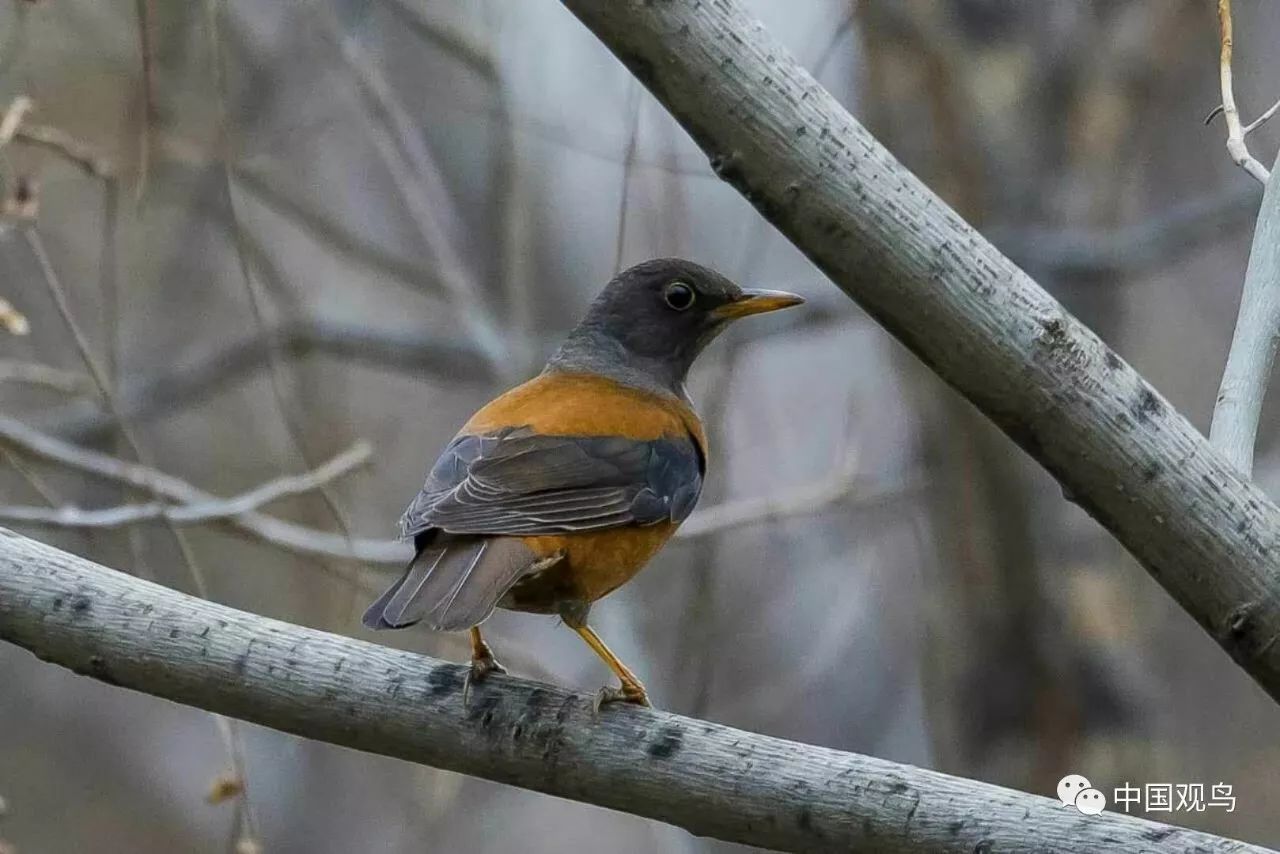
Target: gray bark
709,779
1234,431
1199,526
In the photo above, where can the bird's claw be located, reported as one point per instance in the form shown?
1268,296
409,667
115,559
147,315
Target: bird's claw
624,694
481,668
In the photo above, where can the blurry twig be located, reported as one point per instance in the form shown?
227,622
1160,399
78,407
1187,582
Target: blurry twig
801,501
11,320
15,128
253,288
34,373
278,532
13,117
628,164
1236,146
63,143
204,511
143,11
1157,240
176,387
421,187
448,39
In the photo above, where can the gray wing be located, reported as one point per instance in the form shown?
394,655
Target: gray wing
518,482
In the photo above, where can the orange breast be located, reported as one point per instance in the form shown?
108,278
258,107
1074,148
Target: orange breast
587,405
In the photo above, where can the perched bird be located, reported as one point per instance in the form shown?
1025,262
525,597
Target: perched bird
560,490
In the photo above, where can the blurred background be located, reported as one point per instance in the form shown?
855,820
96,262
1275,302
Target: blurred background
245,239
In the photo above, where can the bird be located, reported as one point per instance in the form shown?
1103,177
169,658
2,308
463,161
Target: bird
561,489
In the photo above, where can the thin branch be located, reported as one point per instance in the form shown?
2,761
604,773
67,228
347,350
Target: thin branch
802,501
1126,456
188,514
13,117
177,387
1155,242
278,532
35,373
1238,407
448,39
1236,146
11,320
421,187
147,91
710,779
79,153
253,288
1262,119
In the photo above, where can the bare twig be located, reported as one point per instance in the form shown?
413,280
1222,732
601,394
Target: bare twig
76,151
278,532
711,779
422,189
253,288
1156,241
1262,119
456,43
1236,146
13,117
176,387
1238,407
11,320
188,514
143,11
628,164
34,373
802,501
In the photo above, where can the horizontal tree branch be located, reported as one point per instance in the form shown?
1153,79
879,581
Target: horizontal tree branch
188,514
1152,243
712,780
298,538
208,372
1201,528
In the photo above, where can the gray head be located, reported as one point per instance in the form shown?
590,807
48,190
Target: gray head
648,325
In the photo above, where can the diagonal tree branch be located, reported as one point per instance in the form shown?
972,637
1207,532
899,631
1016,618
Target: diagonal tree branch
1123,453
1238,408
710,779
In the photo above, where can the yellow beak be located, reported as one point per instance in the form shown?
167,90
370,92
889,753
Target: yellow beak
756,302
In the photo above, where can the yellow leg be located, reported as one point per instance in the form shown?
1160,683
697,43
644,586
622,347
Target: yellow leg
632,690
482,663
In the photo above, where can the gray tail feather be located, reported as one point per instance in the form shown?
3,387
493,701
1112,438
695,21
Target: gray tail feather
453,583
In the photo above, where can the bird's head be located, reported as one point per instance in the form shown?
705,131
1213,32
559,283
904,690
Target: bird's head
649,324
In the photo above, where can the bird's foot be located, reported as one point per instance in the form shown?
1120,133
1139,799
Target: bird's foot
628,693
482,664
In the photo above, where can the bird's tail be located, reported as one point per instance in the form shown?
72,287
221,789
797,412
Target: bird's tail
452,583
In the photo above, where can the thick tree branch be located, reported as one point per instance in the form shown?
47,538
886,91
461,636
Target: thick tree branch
1238,409
1119,449
710,779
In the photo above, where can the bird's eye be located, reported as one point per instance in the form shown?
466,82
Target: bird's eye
678,295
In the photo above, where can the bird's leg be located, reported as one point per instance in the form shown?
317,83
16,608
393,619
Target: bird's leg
632,690
482,663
